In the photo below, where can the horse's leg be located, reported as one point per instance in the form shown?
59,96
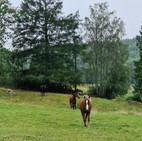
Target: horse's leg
74,106
43,93
70,104
89,120
84,118
86,115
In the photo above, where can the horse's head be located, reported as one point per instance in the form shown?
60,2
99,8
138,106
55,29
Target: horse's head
86,97
77,95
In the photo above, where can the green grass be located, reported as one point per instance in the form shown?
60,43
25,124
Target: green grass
83,87
30,117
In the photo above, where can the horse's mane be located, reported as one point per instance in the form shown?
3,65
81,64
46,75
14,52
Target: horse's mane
73,95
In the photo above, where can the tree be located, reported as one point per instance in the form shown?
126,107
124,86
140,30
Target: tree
138,68
6,78
106,54
44,42
76,50
133,55
6,21
6,13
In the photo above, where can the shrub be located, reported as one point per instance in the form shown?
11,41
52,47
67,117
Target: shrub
109,93
135,97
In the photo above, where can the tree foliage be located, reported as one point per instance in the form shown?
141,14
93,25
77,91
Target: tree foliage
138,68
133,51
6,21
133,55
106,54
46,42
47,46
5,67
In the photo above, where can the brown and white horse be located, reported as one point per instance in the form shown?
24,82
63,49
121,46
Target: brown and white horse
72,100
85,107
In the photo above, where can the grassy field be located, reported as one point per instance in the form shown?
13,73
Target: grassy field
30,117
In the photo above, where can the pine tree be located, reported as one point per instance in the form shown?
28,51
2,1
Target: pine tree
44,41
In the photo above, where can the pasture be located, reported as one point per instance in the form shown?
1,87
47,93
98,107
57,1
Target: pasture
30,117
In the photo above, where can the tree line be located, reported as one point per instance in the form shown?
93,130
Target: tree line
60,50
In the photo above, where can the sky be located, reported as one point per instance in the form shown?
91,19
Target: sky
130,11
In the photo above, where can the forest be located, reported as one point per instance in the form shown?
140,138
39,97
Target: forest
48,47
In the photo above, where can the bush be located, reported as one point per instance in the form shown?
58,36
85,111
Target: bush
109,93
135,97
92,91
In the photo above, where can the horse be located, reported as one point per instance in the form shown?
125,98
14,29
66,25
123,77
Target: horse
85,107
72,100
68,89
43,89
79,90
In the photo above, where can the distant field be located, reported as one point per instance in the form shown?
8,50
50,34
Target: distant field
30,117
83,87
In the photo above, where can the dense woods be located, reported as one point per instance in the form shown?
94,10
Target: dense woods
60,50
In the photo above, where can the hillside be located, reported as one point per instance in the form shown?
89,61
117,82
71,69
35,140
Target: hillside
133,51
30,117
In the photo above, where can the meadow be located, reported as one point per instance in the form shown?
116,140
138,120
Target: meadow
30,117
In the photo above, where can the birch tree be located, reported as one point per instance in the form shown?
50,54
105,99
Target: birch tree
106,53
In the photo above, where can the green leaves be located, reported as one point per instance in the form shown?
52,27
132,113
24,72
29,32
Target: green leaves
106,53
47,40
6,19
138,68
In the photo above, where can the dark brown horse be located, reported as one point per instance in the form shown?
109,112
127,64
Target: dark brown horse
85,107
72,100
68,89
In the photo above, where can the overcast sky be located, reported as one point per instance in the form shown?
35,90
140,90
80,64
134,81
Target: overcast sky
129,11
